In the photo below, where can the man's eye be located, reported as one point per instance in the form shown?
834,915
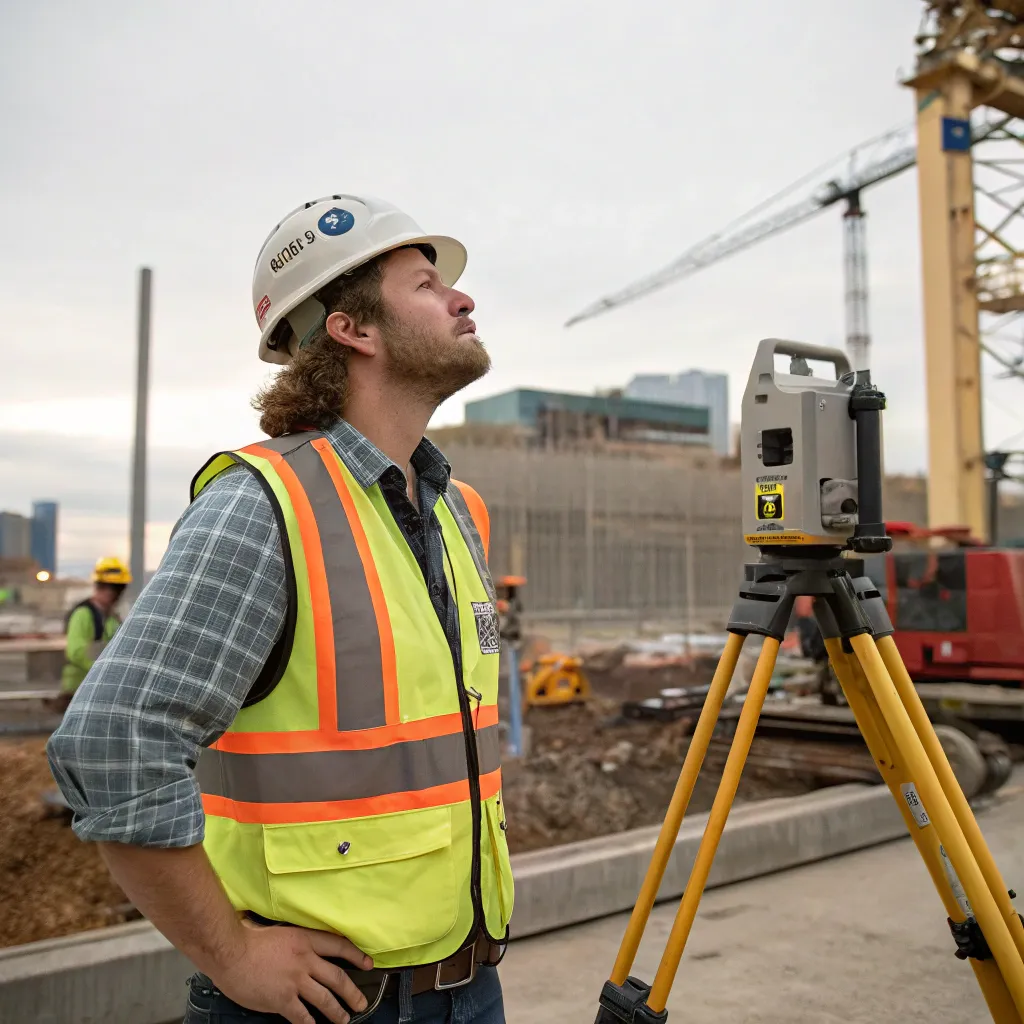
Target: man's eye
426,284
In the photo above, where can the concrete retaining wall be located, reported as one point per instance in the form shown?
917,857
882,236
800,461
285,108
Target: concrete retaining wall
131,975
581,881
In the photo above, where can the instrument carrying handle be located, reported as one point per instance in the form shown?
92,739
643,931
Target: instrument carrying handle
764,359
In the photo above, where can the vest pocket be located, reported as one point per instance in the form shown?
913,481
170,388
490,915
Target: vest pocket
501,865
387,882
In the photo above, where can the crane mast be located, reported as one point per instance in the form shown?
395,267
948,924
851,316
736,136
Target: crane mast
855,254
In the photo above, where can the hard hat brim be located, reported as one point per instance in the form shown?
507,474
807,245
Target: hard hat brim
113,578
450,263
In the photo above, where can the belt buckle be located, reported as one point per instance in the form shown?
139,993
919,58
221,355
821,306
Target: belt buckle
444,986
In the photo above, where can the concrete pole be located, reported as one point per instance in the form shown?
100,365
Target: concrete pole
137,555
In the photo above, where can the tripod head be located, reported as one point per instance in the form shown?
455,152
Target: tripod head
811,455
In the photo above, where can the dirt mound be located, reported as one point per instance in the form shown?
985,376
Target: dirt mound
590,772
50,883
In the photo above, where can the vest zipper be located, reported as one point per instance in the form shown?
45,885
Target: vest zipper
473,766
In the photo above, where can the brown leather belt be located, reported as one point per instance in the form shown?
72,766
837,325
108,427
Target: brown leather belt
457,970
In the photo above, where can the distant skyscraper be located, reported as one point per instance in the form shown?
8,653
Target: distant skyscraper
44,534
694,387
15,535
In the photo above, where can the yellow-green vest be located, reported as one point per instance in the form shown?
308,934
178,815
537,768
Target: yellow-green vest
358,790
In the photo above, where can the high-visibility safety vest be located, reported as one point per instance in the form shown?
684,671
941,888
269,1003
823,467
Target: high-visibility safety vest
358,790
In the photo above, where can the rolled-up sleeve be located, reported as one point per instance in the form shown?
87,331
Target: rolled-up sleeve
176,673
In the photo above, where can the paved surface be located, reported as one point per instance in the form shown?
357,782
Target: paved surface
859,938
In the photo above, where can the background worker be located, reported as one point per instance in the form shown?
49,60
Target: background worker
90,626
321,637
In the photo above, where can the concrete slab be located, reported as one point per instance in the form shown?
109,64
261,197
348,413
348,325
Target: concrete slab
850,940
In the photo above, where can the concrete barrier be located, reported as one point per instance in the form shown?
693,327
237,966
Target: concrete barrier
582,881
131,975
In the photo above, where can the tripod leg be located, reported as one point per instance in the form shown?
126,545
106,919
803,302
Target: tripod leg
715,826
677,808
913,755
954,794
884,751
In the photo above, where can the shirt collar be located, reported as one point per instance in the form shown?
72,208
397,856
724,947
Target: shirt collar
368,464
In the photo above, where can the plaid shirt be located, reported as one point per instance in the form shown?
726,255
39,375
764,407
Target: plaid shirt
175,674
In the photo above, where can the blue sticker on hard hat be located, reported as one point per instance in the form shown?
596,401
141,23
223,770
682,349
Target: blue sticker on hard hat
336,222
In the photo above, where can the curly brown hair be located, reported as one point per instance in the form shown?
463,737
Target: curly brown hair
312,389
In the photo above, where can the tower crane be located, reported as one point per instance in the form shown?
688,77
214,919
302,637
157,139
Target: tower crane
839,181
969,85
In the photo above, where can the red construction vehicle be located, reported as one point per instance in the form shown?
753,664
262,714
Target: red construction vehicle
958,608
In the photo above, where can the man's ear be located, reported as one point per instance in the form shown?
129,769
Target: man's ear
345,331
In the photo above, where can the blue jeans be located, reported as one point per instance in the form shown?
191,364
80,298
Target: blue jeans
479,1002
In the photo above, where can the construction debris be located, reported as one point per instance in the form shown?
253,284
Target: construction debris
592,771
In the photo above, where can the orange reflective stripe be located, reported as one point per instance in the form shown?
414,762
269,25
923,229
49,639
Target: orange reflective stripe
388,660
362,739
340,810
323,622
478,510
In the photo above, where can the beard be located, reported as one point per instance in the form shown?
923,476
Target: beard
434,365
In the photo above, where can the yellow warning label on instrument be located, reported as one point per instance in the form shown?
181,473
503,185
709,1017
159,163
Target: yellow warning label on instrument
769,501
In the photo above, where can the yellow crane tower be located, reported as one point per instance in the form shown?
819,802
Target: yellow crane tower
969,55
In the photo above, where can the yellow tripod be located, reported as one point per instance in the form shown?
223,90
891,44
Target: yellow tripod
855,625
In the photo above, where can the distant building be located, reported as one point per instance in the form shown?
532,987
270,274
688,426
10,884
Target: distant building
15,535
44,534
560,419
694,388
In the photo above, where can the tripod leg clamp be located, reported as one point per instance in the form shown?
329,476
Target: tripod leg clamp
970,942
627,1004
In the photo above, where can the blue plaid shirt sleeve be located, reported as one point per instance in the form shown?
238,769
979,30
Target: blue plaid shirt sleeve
175,674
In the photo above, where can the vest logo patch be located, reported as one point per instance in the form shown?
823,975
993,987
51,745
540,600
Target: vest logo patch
487,627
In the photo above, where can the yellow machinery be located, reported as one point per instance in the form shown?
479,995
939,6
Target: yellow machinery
548,677
969,56
555,679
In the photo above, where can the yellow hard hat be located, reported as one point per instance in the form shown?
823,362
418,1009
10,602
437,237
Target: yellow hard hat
111,570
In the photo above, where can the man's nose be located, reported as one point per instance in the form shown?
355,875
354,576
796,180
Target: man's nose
460,304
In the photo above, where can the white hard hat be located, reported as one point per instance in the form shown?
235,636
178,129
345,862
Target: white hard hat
318,242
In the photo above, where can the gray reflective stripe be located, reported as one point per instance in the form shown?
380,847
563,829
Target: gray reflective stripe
326,775
488,747
467,526
358,670
289,442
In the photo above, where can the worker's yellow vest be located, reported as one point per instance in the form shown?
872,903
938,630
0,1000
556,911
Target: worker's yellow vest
362,793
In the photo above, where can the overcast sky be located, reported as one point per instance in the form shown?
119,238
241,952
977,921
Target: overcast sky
572,146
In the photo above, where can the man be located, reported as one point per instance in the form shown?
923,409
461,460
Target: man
90,625
322,625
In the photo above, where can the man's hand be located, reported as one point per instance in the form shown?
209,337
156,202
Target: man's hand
268,968
279,966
